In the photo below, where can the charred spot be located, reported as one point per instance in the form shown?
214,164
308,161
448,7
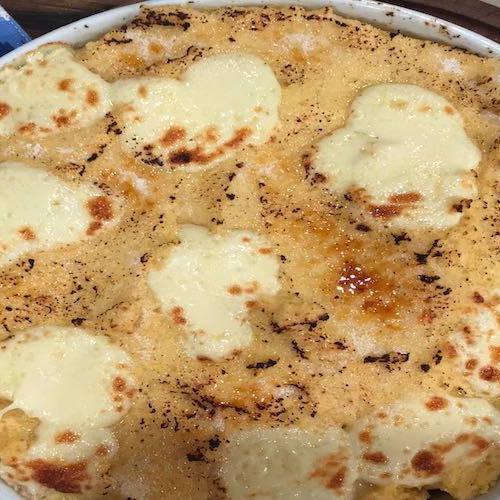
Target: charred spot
425,367
4,109
93,228
376,457
405,198
385,211
177,315
299,350
436,403
172,135
27,128
366,437
92,97
181,157
318,178
389,357
425,278
65,84
119,384
66,478
398,238
459,207
262,365
61,120
239,136
495,354
214,443
197,456
235,290
336,482
117,41
100,208
426,463
311,324
66,437
27,234
471,364
477,298
363,228
77,321
101,451
489,373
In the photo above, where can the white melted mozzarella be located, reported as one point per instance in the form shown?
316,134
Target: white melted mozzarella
476,343
39,211
415,442
283,464
405,153
208,284
221,104
76,384
50,92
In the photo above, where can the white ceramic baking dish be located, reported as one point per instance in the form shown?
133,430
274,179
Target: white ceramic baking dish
387,16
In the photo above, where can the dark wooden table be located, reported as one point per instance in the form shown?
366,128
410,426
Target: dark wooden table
39,16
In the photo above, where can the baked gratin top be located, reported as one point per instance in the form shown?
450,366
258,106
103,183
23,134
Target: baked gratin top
249,253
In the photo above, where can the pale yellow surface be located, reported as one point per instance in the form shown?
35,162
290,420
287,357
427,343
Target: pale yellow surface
168,441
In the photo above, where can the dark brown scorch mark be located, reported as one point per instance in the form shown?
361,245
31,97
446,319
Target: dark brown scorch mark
4,109
172,135
66,478
67,437
27,234
436,403
397,204
426,463
100,208
184,156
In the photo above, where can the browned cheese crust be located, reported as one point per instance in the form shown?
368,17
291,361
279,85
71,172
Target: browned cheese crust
406,284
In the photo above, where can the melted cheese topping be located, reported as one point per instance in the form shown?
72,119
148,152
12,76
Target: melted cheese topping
209,283
289,463
39,211
414,443
50,92
405,153
476,343
222,103
78,385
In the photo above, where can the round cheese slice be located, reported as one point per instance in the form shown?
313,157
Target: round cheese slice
39,211
404,154
77,385
221,104
50,92
210,282
281,464
415,442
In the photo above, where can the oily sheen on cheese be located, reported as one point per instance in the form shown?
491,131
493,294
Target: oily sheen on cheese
76,384
280,464
39,211
221,104
50,92
404,152
209,283
415,442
